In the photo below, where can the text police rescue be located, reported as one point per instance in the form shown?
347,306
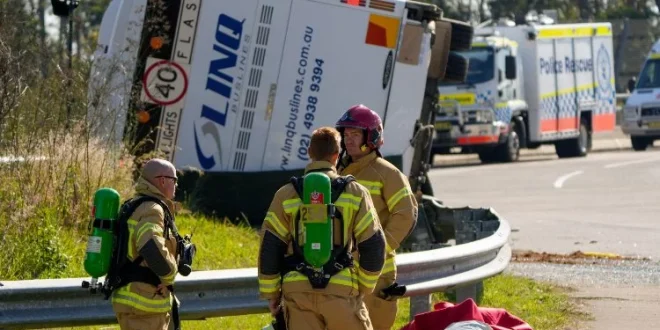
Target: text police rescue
552,66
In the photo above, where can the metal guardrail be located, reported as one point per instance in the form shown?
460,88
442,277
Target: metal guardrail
13,159
623,97
206,294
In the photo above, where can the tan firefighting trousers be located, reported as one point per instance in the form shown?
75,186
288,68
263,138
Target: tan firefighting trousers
309,311
382,313
139,320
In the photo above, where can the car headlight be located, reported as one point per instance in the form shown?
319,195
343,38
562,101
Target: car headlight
630,113
478,116
484,116
447,109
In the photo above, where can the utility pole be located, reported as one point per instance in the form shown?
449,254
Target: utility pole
64,9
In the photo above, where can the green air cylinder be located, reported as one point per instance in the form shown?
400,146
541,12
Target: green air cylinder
100,242
316,220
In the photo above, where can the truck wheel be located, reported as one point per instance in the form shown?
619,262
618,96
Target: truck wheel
509,151
461,35
639,143
533,145
575,147
457,67
487,156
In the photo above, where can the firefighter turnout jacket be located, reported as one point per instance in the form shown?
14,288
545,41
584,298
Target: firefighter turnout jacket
393,199
362,231
146,227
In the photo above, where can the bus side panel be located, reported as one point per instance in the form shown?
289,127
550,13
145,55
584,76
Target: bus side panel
110,86
259,85
218,79
326,68
407,96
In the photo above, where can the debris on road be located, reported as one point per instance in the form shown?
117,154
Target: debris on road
577,257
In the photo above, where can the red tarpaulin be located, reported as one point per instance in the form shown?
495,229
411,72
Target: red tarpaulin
445,313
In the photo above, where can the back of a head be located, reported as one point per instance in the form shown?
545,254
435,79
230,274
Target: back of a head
157,167
324,144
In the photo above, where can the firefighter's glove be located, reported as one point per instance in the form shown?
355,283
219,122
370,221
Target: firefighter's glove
393,291
187,252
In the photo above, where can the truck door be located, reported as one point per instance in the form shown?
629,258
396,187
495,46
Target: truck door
566,108
504,86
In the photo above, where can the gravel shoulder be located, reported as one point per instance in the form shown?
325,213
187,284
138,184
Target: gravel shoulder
618,294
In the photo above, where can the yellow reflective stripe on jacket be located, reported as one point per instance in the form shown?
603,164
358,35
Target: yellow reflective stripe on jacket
363,223
291,205
269,285
124,296
347,200
391,203
368,281
131,229
274,221
388,248
156,229
169,278
349,205
374,187
389,265
344,277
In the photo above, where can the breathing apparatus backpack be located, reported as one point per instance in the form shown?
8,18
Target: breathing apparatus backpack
108,244
316,255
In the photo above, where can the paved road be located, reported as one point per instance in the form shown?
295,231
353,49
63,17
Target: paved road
604,141
605,202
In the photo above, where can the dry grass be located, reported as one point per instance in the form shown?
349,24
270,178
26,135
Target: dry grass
52,163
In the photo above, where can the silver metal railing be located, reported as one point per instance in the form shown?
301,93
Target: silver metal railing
206,294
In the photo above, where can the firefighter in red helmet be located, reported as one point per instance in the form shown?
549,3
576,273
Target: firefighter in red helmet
362,136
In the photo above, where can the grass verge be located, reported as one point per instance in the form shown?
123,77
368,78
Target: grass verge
223,246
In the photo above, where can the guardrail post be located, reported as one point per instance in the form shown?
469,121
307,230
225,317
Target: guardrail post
474,291
472,225
419,304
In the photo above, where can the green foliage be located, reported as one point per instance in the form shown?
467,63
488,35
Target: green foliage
33,250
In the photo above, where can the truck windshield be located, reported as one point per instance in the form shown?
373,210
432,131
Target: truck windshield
481,66
650,76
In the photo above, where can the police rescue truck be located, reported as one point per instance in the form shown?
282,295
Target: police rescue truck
236,88
527,86
641,113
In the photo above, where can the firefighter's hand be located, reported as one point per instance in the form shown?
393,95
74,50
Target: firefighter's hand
161,289
274,306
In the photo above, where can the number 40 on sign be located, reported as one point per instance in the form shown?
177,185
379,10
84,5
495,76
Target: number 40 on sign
164,82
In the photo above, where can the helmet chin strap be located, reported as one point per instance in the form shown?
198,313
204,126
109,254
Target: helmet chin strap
340,160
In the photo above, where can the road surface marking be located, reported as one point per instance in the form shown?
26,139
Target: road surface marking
560,180
632,162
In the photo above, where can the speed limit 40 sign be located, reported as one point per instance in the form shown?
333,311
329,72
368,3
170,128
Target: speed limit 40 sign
164,82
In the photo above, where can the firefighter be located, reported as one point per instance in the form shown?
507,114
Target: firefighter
145,302
362,137
307,301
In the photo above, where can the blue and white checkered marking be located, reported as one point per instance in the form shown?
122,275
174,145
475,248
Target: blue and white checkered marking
502,110
568,105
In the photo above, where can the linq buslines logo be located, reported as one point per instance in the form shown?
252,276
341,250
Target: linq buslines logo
316,197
